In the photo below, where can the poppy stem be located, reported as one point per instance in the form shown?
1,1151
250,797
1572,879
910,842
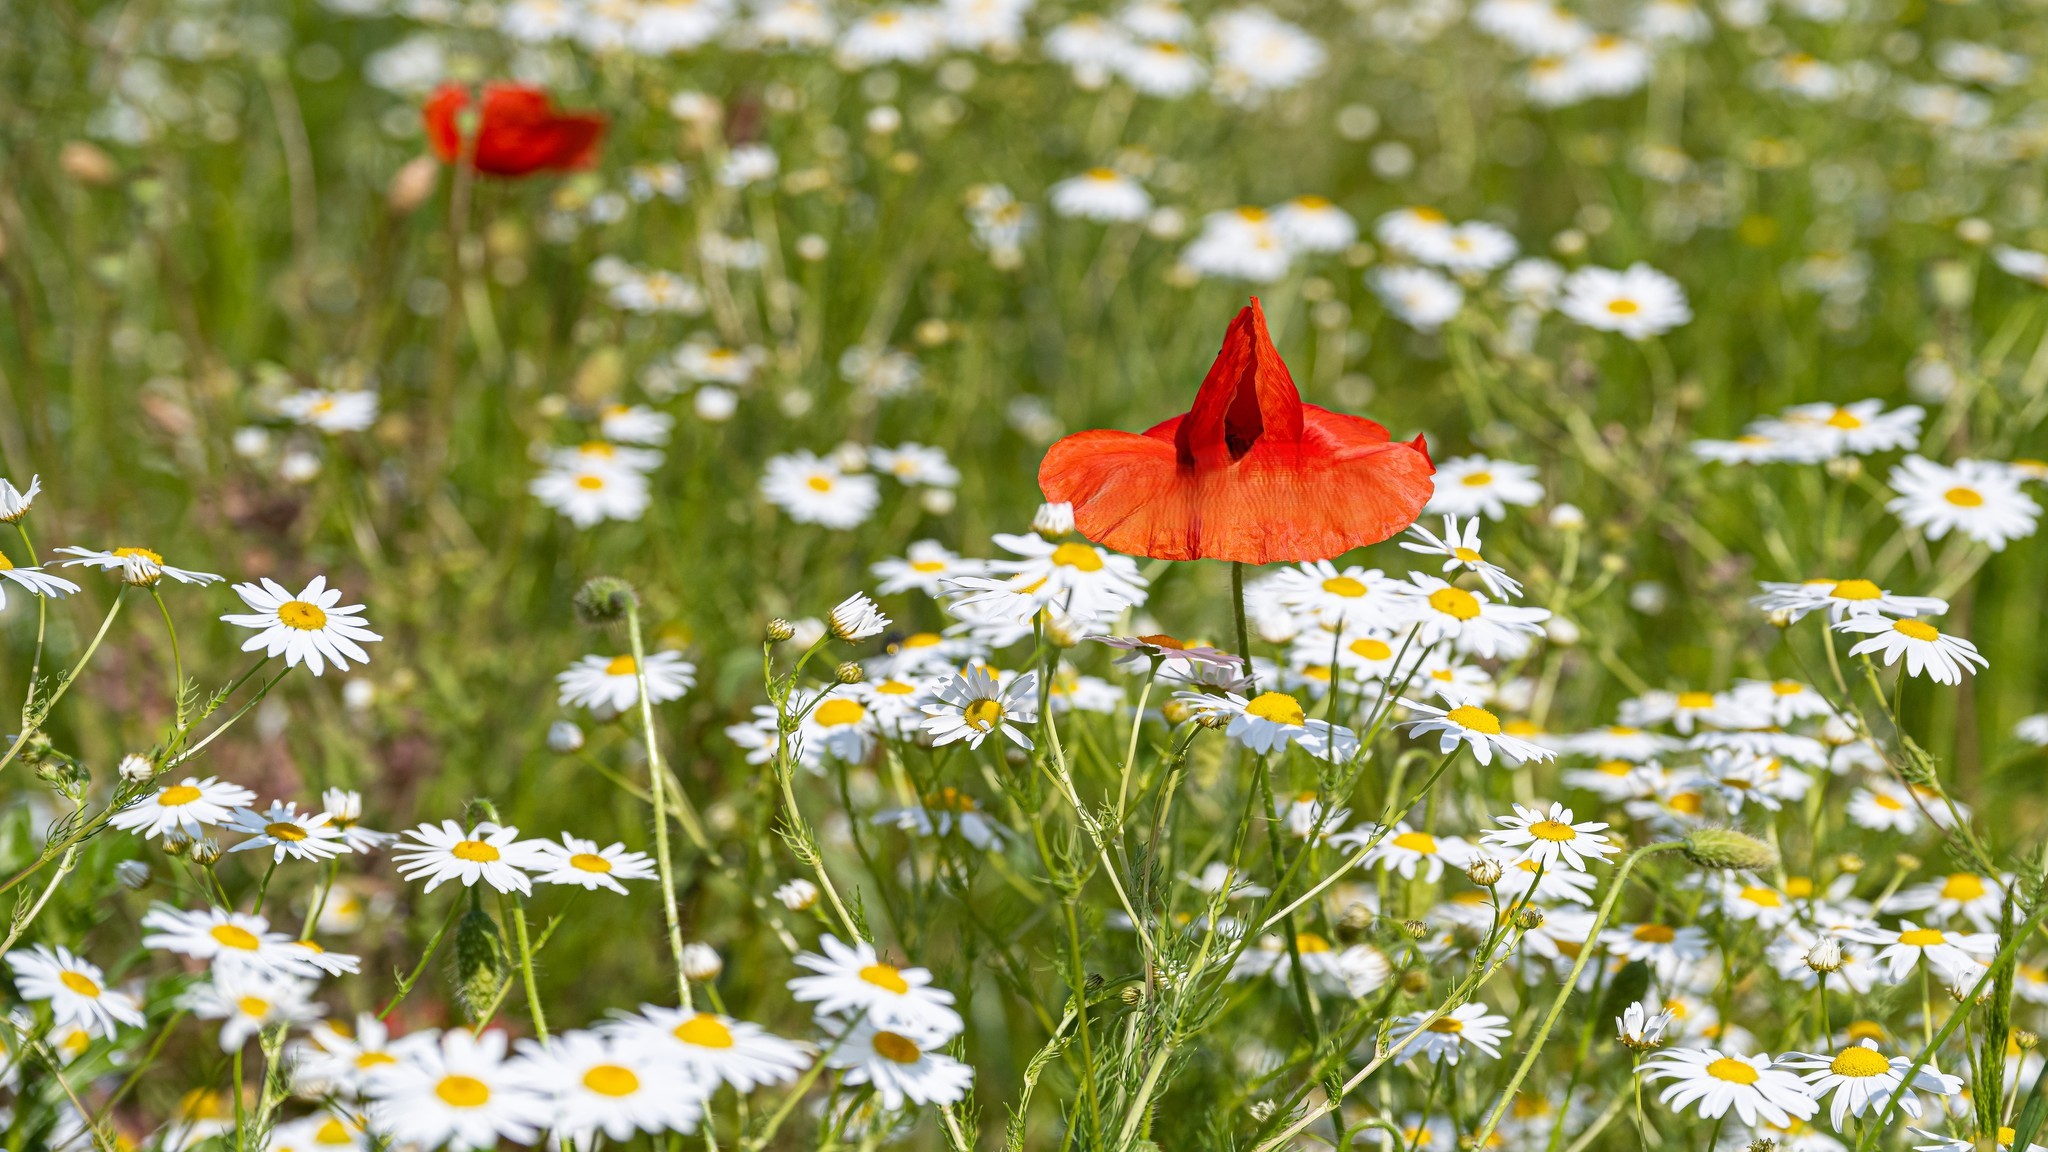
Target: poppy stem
1244,641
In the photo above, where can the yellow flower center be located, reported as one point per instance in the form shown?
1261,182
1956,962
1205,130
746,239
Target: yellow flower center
1763,897
335,1133
1623,306
1915,630
463,1092
1371,649
819,483
901,1049
1844,419
705,1031
1654,934
6,565
1104,174
1553,831
1278,707
1455,602
983,714
885,976
1787,687
1448,1024
839,712
177,796
896,688
1312,203
1859,1030
1887,801
1310,942
1695,701
1077,556
1477,480
1421,842
1427,216
1345,586
234,936
1964,886
302,616
284,830
1922,937
620,666
1855,590
589,862
368,1060
611,1080
1468,555
1732,1070
80,983
927,565
590,482
1686,803
1798,887
254,1006
1860,1062
144,553
1249,213
474,851
1475,718
1964,497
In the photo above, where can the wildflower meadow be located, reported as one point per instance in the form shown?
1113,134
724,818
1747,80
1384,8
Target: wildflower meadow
1023,575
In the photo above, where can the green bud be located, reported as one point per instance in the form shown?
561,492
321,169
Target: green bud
1729,850
605,600
481,965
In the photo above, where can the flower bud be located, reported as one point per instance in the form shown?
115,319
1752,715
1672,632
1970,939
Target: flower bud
132,874
1356,917
1485,872
1529,919
1906,862
1762,1144
205,851
1729,850
2025,1040
1825,956
1053,519
1849,863
1567,518
605,600
797,895
857,618
564,737
1415,929
176,843
779,630
136,769
702,963
849,673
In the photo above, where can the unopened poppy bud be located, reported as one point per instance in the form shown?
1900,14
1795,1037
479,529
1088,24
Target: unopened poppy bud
849,673
797,895
605,600
205,851
411,185
1825,956
702,963
136,769
1729,850
1484,872
779,630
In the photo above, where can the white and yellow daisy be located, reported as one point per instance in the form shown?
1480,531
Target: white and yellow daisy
595,1084
1550,838
1980,499
320,1132
1474,625
15,503
1353,597
854,979
941,814
331,411
926,566
227,940
1074,575
1843,599
1460,548
288,832
490,853
856,618
811,490
1270,721
313,626
713,1048
1859,428
138,566
1928,651
75,988
338,1058
1450,1037
1967,894
247,1002
1103,195
612,683
1717,1081
1471,725
184,807
1862,1077
37,581
1353,971
1883,806
901,1061
344,808
1638,302
459,1090
974,704
1619,742
918,465
1666,949
584,864
1406,850
588,496
1418,232
1785,701
1905,947
635,424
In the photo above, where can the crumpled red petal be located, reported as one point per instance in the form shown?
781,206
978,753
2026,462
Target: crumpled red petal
519,134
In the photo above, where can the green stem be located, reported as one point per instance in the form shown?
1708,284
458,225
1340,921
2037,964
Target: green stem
657,785
32,722
540,1017
177,658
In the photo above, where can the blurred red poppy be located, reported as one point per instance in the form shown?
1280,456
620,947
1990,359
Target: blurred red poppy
519,133
1250,473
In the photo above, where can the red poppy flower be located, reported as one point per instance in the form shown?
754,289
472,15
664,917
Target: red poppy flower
519,133
1250,473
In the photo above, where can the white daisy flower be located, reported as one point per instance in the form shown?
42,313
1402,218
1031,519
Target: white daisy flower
704,363
1420,233
1979,499
459,1091
1239,244
811,490
1928,650
1639,302
344,808
855,980
1406,850
1551,837
891,35
1460,548
1159,68
288,832
1313,224
1856,429
590,496
139,567
714,1048
1476,485
612,683
635,424
1619,742
1353,971
1842,599
186,807
75,988
15,502
856,618
1270,721
595,1084
1883,806
941,813
927,566
1717,1081
973,704
584,864
37,581
227,940
1642,1026
1472,725
489,852
247,1002
347,410
1422,298
1667,950
1475,246
1473,624
1906,947
1074,576
1967,894
915,464
313,626
1354,597
1447,1039
1784,701
338,1058
1862,1078
900,1061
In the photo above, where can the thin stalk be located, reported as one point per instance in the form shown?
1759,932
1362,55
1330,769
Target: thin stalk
533,1006
657,785
64,685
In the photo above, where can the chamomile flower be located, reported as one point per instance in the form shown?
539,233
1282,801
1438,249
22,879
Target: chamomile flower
597,1084
1551,838
1407,851
1313,224
459,1091
1641,1027
1160,68
184,807
1422,298
286,831
1474,726
635,424
138,566
1967,894
1784,701
1474,625
584,864
1638,302
713,1048
1882,806
915,464
37,581
1460,549
1476,485
347,410
589,496
1353,971
1420,233
811,490
612,683
1076,577
1979,499
1842,599
1104,195
15,502
1928,651
1354,597
490,853
227,941
926,566
75,988
1862,1077
1666,949
1270,721
900,1061
338,1057
1240,244
1448,1038
941,814
855,980
1619,742
974,704
1717,1081
344,808
248,1002
1907,946
1857,429
1475,246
